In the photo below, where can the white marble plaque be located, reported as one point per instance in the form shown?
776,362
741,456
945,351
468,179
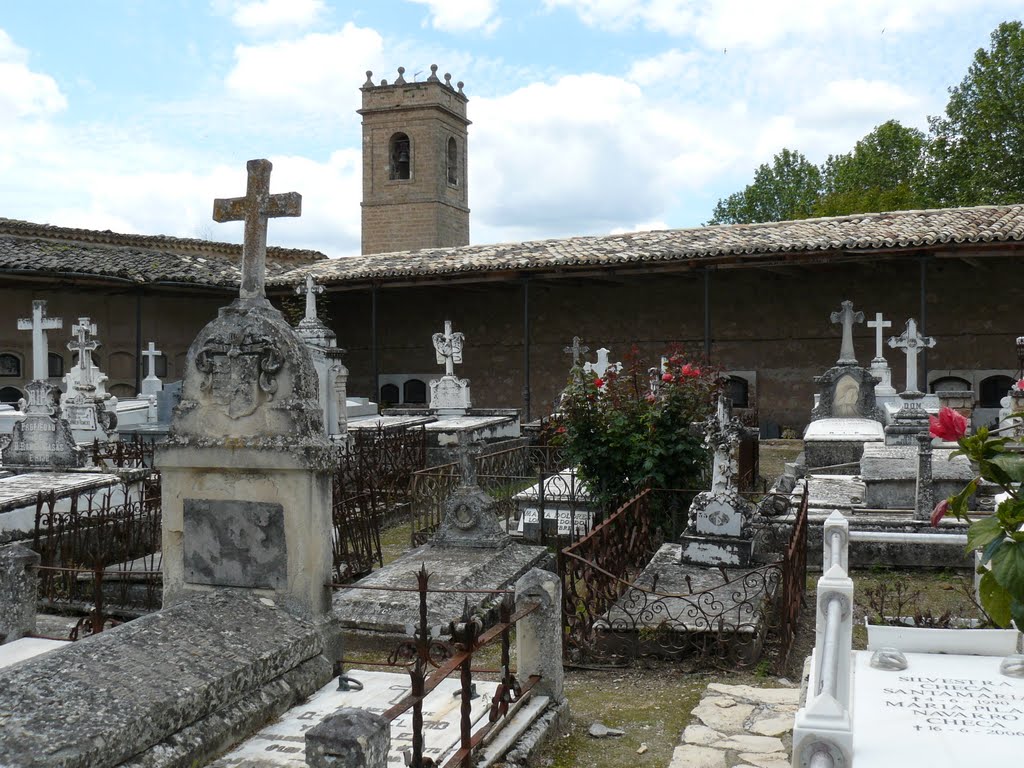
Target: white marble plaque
942,711
81,417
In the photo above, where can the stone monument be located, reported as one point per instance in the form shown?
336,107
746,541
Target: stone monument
91,411
846,391
470,517
719,529
42,439
911,419
332,374
151,385
247,467
449,395
879,367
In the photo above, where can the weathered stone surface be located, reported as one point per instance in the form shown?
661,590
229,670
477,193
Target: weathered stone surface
723,713
847,392
701,735
749,743
232,543
692,756
776,760
773,725
758,695
19,583
350,738
112,696
539,635
43,438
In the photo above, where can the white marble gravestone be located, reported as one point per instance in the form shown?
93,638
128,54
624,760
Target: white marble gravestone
449,395
246,469
90,410
332,374
151,385
879,366
603,365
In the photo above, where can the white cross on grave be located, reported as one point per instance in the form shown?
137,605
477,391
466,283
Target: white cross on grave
602,366
83,343
879,325
448,347
847,317
577,350
254,209
39,324
912,343
310,289
151,384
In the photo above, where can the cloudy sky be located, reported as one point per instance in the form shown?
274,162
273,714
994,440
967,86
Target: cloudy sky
589,116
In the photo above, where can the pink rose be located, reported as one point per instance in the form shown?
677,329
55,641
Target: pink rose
949,425
939,512
666,377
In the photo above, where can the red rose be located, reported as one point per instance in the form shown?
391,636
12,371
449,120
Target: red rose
666,377
598,382
939,512
1020,384
949,425
687,370
650,397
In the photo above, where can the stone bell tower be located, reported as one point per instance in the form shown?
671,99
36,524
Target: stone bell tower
414,164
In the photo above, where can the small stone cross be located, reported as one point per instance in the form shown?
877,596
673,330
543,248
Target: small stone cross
151,354
83,343
602,366
879,325
577,350
311,289
467,460
847,317
254,209
39,324
448,346
912,343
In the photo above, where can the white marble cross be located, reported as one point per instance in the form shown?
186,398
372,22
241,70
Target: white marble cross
448,347
577,350
912,343
879,325
254,209
847,317
151,354
602,366
83,343
39,324
311,289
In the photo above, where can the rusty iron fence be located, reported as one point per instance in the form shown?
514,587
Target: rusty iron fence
524,479
430,659
371,486
100,553
614,611
131,453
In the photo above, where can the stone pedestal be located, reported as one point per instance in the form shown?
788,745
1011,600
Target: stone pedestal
19,583
350,738
910,421
449,396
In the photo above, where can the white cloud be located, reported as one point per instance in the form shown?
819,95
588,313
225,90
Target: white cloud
269,16
859,101
24,93
672,65
462,15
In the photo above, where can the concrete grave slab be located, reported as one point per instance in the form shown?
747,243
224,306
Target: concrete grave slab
27,648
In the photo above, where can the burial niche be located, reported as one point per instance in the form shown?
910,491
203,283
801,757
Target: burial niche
992,390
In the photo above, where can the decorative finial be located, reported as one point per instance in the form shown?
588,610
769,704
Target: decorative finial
369,79
401,76
460,84
383,82
448,79
433,74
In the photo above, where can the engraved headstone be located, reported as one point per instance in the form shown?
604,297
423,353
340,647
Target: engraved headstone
449,395
90,410
332,374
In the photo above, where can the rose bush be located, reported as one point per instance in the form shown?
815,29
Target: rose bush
633,428
1000,536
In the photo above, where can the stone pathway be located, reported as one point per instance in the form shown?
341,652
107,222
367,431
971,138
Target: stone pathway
739,726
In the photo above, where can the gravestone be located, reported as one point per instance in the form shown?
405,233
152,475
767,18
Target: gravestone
879,366
846,391
719,529
151,385
470,517
332,374
603,365
912,418
90,410
43,438
246,470
449,395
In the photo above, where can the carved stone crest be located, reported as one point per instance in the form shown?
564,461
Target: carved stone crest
238,367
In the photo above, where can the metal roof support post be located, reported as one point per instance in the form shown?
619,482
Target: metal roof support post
526,348
707,314
923,380
138,341
374,362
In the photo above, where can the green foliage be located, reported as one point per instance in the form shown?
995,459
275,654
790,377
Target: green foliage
624,436
786,189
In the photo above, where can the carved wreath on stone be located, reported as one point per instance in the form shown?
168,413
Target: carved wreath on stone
236,368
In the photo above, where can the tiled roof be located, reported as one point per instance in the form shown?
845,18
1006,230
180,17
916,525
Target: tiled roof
845,234
143,259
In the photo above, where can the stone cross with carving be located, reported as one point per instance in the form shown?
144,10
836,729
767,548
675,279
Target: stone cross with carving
912,343
310,289
577,350
879,325
151,354
847,317
84,343
39,324
448,347
254,209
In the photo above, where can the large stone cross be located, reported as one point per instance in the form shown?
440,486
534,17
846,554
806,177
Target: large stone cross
84,343
577,350
151,354
912,343
448,346
39,324
602,366
311,289
879,325
847,317
254,209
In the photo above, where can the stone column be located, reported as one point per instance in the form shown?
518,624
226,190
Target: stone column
350,738
925,489
19,585
539,635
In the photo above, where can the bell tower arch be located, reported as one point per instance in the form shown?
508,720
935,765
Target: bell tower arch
415,191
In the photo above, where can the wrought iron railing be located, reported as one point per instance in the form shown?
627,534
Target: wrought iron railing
128,453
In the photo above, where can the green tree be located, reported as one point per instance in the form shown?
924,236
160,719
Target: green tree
883,172
977,147
786,189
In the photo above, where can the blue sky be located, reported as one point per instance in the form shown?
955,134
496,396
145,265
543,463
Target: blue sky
589,116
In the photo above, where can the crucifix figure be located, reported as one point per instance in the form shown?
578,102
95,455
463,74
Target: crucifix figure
39,324
84,344
847,317
602,366
311,289
577,350
254,209
879,325
912,343
448,346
